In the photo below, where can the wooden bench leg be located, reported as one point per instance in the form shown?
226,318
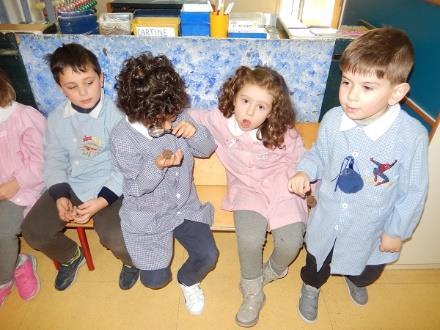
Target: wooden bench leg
85,247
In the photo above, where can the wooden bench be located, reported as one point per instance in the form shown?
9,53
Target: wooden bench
210,179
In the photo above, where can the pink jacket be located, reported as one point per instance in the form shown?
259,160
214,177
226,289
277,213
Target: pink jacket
21,152
257,176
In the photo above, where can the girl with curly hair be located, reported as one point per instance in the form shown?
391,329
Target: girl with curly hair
160,200
259,147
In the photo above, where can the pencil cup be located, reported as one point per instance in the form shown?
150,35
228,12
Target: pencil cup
219,25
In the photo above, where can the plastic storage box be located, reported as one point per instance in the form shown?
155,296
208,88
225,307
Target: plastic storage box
115,23
156,26
78,22
194,23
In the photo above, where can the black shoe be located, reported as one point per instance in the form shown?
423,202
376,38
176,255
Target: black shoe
128,277
67,273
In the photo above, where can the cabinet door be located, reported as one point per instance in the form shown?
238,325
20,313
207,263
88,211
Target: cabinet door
331,98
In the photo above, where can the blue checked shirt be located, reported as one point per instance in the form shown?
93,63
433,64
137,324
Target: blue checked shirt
353,223
157,201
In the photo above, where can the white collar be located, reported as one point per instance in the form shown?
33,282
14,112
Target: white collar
377,128
6,112
235,129
140,128
70,111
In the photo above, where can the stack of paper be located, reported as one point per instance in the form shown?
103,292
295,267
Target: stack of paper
300,33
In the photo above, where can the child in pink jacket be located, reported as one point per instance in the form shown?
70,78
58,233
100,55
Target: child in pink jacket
21,181
259,147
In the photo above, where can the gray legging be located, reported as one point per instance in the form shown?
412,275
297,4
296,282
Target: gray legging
11,217
251,230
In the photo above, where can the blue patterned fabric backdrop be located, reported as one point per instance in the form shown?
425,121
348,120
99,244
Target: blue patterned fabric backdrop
203,63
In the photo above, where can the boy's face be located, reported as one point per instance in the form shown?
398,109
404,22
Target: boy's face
368,97
252,105
82,88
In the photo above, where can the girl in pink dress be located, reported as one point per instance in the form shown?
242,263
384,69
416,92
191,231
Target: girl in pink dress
259,148
21,181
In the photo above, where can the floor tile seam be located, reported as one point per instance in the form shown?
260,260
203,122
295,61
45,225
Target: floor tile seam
323,297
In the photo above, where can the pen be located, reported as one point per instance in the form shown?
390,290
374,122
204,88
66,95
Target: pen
229,8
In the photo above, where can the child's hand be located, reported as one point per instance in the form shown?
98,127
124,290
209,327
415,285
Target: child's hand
184,129
166,159
390,244
299,184
65,209
9,189
88,209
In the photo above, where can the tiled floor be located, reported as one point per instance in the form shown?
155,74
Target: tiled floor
400,299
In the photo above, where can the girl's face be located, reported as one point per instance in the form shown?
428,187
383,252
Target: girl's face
82,88
252,105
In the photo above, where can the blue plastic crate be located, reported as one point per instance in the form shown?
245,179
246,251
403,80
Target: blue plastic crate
78,24
190,17
201,30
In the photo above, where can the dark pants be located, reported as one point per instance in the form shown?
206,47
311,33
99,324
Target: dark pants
44,231
197,239
311,276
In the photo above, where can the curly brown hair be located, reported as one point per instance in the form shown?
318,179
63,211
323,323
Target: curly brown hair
281,117
149,90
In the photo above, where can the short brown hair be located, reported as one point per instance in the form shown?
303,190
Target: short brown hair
150,90
387,52
72,55
7,92
280,118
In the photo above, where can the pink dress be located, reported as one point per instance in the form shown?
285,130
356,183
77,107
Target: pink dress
21,152
257,176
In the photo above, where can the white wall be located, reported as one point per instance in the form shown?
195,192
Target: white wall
423,250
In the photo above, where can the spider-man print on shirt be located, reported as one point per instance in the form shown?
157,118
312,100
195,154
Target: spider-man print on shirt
380,171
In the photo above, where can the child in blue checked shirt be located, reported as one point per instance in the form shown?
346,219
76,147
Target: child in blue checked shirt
81,180
154,146
371,161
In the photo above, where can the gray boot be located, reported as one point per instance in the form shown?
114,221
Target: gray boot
308,303
358,294
270,275
253,301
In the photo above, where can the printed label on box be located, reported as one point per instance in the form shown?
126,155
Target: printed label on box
151,31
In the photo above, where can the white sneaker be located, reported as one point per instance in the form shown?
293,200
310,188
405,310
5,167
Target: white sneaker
194,298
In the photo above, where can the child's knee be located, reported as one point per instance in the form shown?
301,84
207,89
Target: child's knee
155,279
210,257
34,235
250,242
291,243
